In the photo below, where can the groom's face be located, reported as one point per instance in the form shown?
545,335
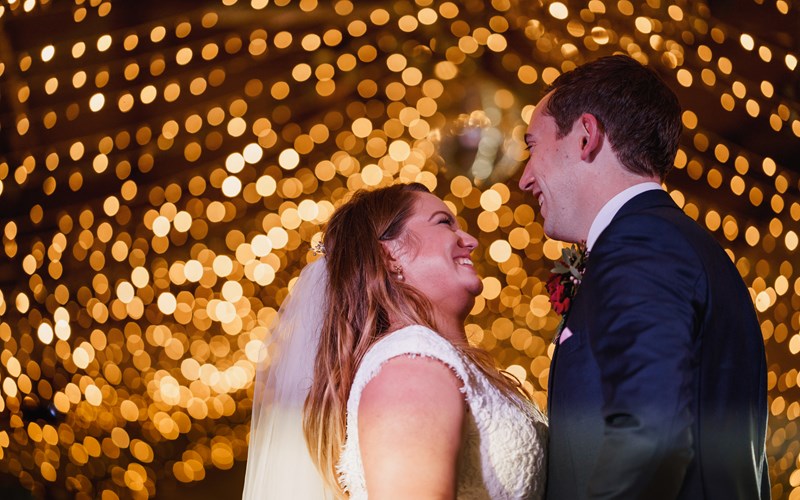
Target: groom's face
551,177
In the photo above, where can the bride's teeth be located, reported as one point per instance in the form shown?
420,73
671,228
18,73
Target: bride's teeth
540,200
464,261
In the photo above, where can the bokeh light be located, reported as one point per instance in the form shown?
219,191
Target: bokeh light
166,166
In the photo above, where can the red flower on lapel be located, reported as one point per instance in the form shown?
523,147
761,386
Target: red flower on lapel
563,284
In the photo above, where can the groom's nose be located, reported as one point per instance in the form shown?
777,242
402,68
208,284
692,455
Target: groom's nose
527,180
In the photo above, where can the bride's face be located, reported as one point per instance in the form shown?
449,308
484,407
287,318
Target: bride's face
435,256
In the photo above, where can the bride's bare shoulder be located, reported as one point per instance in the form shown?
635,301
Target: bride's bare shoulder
413,407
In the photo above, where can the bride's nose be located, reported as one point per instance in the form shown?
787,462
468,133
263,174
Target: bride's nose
466,240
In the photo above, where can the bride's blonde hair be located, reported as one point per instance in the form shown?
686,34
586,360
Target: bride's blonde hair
361,297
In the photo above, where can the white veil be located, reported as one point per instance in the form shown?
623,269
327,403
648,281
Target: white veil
278,462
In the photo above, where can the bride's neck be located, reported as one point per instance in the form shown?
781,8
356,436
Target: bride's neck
448,326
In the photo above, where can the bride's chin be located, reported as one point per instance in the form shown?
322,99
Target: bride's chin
476,288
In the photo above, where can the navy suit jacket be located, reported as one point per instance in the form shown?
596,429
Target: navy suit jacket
660,392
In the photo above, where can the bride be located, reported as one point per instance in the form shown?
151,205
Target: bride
372,368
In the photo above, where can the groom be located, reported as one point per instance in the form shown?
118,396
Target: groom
658,381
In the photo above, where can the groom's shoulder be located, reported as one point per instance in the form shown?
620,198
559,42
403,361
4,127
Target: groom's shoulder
656,228
656,210
665,224
652,222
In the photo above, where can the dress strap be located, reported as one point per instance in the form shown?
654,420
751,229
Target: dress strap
415,340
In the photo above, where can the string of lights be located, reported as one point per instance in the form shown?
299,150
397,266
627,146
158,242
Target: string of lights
165,168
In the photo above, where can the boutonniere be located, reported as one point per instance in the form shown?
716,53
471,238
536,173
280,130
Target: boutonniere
566,278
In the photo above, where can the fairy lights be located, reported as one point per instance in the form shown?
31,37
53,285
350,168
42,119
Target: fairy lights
161,184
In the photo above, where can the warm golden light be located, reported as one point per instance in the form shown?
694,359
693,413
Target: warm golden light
165,174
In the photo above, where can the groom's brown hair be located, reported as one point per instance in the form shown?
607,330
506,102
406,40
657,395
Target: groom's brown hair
637,111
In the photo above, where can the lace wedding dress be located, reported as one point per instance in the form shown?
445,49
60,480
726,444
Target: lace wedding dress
502,454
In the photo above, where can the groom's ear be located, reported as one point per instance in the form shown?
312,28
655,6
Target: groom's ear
591,136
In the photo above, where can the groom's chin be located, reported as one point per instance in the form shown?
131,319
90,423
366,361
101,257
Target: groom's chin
555,234
552,233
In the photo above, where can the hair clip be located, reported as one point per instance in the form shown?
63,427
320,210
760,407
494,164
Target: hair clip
318,248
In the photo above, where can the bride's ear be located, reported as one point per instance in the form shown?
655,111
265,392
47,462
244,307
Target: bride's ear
391,252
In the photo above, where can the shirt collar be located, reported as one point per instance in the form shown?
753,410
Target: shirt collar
610,209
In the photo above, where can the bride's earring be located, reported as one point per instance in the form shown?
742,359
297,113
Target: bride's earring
398,270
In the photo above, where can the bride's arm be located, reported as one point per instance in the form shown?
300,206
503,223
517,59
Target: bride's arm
409,430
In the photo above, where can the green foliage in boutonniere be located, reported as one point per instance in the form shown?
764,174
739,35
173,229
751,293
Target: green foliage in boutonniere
566,278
